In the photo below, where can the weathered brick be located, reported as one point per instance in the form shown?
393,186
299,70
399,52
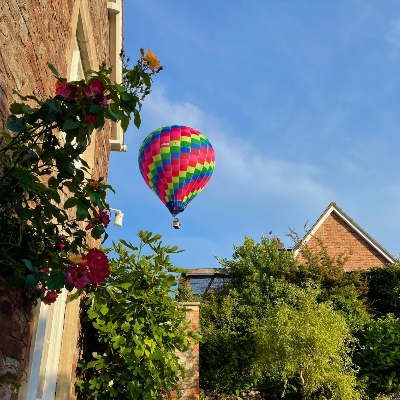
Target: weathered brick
6,325
13,348
5,393
6,308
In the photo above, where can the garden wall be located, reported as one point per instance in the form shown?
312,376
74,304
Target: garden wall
190,359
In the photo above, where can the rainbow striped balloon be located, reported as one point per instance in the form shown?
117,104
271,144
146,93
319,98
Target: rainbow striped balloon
176,162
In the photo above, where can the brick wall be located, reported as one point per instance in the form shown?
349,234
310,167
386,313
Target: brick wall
338,237
33,33
15,333
190,359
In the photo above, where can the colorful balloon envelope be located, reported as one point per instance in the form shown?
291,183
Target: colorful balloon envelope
176,162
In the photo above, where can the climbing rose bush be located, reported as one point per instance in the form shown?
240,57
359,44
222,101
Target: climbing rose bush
54,206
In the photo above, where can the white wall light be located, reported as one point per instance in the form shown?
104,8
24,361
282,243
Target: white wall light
118,217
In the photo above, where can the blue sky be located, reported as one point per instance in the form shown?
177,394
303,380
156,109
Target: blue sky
300,100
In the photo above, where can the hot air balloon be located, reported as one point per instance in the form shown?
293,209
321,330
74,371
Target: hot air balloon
176,162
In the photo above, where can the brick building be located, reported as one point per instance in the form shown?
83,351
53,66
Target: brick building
341,234
74,36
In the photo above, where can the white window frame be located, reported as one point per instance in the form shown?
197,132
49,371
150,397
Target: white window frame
51,318
116,31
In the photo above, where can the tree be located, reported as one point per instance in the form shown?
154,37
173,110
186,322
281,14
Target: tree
228,316
261,277
346,290
305,345
134,326
378,356
383,290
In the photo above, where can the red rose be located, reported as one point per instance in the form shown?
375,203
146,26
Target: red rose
51,297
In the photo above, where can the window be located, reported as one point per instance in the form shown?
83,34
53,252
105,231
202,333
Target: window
48,336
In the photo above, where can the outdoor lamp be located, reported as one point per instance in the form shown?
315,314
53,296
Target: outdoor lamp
118,217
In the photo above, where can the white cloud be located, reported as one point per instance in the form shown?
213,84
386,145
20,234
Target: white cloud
242,170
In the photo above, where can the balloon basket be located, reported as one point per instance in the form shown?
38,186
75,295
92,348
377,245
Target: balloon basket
176,224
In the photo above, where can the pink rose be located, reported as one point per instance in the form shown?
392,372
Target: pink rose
77,276
97,263
66,90
95,91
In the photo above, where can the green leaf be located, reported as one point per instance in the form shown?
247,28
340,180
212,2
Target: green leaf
53,182
137,120
114,292
71,202
28,264
31,281
28,97
7,136
25,177
70,124
113,113
104,309
16,124
96,108
26,109
146,79
16,108
53,69
49,111
105,237
75,295
81,210
125,122
97,231
56,280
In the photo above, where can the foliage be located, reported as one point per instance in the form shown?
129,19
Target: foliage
40,183
378,356
185,292
136,326
304,345
261,277
346,290
229,316
383,290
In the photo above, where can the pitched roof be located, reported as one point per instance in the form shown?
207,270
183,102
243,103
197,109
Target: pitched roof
357,228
